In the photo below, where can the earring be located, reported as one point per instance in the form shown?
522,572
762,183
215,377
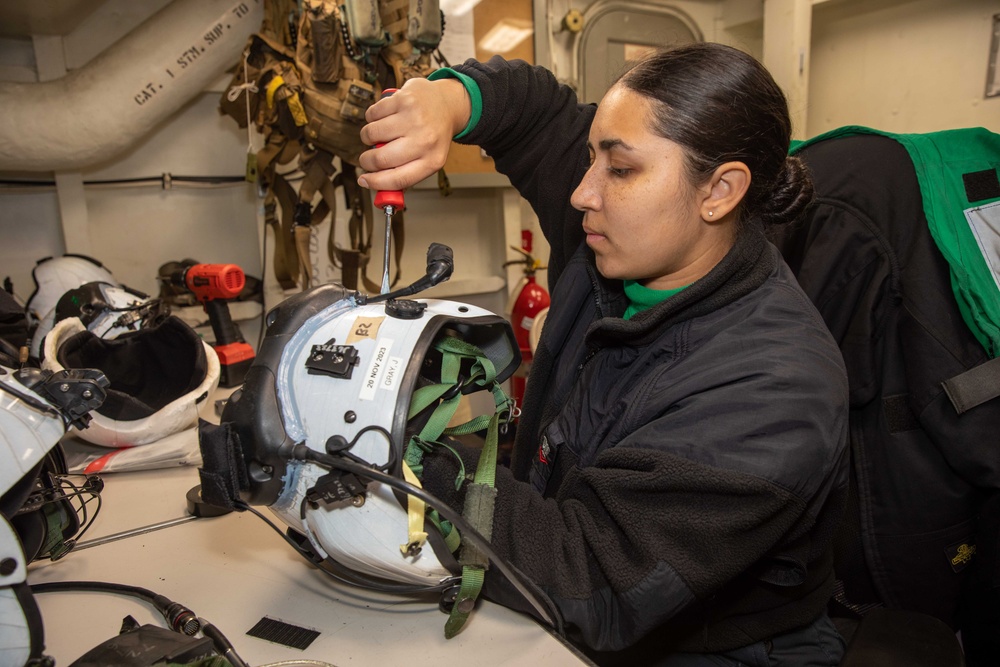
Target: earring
711,213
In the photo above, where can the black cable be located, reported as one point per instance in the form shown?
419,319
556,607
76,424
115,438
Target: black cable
222,644
78,492
527,588
57,493
391,460
263,288
135,306
150,305
340,573
162,180
38,184
178,617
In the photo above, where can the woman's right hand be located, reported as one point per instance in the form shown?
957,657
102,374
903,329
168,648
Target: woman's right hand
416,125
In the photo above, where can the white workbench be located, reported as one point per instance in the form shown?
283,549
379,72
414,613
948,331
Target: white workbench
234,570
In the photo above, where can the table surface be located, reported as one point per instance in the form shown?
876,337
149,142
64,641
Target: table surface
234,570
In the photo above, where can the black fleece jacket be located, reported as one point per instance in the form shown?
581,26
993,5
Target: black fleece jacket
677,476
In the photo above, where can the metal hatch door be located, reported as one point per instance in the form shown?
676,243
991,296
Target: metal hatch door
616,32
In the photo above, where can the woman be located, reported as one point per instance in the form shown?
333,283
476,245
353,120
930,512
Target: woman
680,460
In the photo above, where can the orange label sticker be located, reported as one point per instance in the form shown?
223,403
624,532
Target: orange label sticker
364,328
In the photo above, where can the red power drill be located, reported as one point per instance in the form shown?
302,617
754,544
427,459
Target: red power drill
214,285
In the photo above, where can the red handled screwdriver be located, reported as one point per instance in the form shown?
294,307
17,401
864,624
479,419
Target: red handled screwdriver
389,201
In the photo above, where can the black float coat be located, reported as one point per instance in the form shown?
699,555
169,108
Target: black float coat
695,453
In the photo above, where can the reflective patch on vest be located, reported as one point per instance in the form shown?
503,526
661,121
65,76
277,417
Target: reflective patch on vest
541,465
960,555
985,224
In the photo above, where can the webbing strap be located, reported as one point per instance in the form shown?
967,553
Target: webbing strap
272,87
302,236
319,173
975,386
479,501
415,516
472,585
452,540
480,494
286,258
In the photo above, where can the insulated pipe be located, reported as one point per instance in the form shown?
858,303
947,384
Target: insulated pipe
97,111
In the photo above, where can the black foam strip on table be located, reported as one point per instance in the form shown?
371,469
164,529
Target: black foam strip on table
286,634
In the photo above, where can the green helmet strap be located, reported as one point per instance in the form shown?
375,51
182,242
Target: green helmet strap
480,494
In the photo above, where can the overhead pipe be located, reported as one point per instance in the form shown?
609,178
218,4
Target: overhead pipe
96,112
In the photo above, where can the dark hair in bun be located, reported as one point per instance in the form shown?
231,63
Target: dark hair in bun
722,105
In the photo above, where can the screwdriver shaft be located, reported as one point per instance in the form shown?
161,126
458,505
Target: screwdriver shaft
389,210
389,201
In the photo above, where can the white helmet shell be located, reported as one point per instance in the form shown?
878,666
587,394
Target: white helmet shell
177,371
341,379
30,427
54,276
365,538
107,309
26,432
21,630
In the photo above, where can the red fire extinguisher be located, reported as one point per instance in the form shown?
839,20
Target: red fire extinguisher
527,300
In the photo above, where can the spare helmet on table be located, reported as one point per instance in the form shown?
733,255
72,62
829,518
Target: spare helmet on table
41,512
80,286
160,375
159,369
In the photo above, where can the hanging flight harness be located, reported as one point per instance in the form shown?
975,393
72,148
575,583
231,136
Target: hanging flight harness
305,81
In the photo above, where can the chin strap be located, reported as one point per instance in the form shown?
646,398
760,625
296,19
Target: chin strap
462,365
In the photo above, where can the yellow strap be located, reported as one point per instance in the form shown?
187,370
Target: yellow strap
298,113
415,515
272,88
293,101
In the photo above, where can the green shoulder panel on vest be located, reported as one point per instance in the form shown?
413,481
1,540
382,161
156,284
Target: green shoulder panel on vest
958,175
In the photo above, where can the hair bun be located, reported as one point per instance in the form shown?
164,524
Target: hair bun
791,194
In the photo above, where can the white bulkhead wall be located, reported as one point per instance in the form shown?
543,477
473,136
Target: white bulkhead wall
900,65
131,92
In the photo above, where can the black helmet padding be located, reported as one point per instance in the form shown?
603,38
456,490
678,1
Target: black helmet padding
148,369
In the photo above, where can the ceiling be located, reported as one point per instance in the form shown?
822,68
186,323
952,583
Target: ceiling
24,18
43,17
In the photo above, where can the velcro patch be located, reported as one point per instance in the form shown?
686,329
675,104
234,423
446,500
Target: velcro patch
981,185
898,415
286,634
